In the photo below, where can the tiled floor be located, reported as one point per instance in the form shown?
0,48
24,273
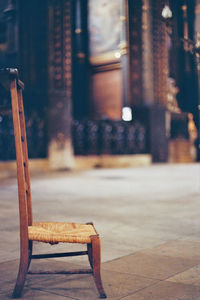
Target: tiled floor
160,273
149,220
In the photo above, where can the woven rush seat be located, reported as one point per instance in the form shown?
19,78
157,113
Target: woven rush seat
55,232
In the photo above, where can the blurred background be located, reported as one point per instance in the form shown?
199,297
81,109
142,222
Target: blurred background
114,79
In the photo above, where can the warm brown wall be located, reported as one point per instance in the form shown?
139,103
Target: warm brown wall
106,100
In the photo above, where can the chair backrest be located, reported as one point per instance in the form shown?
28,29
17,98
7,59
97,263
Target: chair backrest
9,80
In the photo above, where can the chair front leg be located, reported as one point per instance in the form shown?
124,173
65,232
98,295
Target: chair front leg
89,249
30,250
96,263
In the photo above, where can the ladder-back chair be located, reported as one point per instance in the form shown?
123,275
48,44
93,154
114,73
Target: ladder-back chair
47,232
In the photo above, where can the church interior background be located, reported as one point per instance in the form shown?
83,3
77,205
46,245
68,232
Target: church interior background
114,78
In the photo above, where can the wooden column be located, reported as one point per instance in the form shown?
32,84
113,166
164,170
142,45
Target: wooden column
160,50
142,89
80,60
147,56
149,72
60,85
135,37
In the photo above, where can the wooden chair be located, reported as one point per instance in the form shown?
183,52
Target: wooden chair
47,232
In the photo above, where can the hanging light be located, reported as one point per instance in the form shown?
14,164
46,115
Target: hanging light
167,18
166,12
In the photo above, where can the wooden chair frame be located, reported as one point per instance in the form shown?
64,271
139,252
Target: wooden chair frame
9,77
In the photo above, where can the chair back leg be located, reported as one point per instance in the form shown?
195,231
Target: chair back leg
25,246
96,264
21,277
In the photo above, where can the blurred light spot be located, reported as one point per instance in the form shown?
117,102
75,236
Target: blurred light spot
126,114
117,54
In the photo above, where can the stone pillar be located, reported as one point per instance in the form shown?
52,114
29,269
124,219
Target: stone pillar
60,151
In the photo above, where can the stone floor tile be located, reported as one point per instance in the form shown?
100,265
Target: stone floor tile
74,286
151,266
82,287
35,294
193,237
191,276
178,248
166,291
8,274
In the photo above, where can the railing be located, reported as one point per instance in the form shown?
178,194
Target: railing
108,137
36,136
89,137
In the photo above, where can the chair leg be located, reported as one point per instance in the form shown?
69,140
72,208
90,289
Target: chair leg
30,250
89,249
96,263
23,269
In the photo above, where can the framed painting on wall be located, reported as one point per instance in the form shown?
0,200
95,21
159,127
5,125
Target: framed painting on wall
105,30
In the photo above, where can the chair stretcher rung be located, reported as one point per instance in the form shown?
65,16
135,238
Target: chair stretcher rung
78,271
52,255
